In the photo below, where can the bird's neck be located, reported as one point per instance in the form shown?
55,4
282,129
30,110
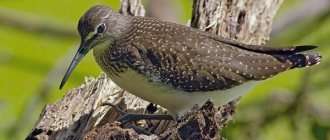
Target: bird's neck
121,26
109,58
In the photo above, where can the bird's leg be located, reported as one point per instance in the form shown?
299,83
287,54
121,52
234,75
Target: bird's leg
128,117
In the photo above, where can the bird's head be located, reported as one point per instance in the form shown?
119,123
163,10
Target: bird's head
100,24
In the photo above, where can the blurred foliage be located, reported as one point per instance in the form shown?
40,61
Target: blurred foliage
274,110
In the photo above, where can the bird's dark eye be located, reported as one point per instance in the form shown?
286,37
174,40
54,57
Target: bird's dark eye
101,28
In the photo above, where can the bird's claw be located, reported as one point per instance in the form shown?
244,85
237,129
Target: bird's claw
128,117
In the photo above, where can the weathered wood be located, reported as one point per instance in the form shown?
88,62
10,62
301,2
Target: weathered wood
79,115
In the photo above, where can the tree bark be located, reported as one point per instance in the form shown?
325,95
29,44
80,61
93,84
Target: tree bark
80,115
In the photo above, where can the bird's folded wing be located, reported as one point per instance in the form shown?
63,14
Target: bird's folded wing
260,48
197,61
202,66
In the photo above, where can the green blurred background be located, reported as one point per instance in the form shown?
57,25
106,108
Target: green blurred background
39,38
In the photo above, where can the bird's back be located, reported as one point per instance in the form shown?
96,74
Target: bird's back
191,60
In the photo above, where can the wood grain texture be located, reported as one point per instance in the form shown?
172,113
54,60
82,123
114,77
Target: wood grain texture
78,115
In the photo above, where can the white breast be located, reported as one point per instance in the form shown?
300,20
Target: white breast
176,101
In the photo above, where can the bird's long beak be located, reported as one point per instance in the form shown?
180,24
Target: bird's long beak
82,51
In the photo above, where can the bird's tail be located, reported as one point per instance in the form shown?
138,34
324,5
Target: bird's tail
304,59
301,57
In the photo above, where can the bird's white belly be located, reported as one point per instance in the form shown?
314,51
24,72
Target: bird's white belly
176,101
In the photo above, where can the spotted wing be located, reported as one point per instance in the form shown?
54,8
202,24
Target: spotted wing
193,62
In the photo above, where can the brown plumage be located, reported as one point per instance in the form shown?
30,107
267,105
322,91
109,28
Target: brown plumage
178,66
192,60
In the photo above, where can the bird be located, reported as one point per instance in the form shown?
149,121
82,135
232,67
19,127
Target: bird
176,66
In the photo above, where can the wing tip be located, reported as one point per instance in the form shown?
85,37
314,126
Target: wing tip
303,48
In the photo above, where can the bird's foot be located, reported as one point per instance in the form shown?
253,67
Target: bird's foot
126,117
